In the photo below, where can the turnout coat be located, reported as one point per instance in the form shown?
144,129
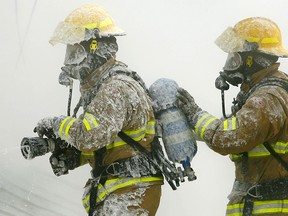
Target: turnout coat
262,119
113,101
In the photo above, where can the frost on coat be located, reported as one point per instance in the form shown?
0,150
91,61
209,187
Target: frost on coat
263,118
120,103
123,204
260,119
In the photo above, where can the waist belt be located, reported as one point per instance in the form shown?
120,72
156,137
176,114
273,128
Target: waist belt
272,190
136,166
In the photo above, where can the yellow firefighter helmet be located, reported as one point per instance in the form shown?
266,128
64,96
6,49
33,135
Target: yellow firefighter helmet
86,22
260,31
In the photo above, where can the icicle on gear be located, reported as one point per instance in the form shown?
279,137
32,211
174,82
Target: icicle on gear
255,33
86,22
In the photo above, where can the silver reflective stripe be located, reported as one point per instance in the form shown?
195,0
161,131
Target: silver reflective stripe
136,135
260,150
65,126
260,208
202,124
90,121
230,124
114,184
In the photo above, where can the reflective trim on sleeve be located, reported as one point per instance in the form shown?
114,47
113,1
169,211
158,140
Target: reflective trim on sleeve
260,208
114,184
89,121
150,128
65,126
230,124
203,123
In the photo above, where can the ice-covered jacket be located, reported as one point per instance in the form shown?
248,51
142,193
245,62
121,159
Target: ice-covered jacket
112,101
263,118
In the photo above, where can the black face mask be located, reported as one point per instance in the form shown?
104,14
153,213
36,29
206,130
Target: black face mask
81,60
239,66
232,74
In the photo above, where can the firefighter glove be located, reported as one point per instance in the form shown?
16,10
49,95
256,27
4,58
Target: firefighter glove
45,127
58,164
67,159
187,104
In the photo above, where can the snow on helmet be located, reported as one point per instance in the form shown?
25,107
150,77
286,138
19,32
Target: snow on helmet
255,33
86,22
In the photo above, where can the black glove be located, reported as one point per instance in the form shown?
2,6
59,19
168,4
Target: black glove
65,160
45,126
187,104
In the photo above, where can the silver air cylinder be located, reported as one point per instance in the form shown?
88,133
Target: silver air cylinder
173,128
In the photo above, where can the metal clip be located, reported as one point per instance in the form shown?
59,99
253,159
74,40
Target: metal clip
256,190
115,171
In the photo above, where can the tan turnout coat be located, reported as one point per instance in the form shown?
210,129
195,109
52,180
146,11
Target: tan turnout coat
263,118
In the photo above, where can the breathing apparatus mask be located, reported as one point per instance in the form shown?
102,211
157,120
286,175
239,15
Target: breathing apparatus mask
82,59
232,72
238,68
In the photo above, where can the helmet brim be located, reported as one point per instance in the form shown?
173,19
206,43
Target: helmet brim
68,33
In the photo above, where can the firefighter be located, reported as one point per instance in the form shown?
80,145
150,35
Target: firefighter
113,99
255,135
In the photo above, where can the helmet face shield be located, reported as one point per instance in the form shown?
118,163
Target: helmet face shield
229,41
255,33
233,62
75,54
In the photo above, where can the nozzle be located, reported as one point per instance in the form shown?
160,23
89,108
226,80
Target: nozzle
33,147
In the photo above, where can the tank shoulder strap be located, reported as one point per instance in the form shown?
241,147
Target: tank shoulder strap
271,81
158,161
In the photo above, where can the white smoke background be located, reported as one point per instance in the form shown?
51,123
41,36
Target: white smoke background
165,38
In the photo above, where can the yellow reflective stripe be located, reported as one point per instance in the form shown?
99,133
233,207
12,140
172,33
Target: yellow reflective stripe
65,126
205,126
136,135
235,209
263,41
68,127
87,125
234,123
225,124
87,153
119,142
112,185
150,128
260,150
260,207
102,24
269,40
133,132
62,125
200,122
230,124
89,121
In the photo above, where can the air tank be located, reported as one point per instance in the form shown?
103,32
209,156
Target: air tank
172,125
